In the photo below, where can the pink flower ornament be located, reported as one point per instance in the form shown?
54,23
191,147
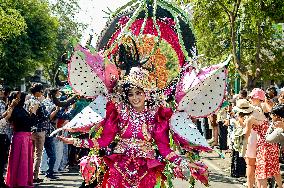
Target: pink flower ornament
88,167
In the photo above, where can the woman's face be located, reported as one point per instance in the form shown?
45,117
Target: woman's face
254,101
136,98
275,117
281,98
58,94
38,94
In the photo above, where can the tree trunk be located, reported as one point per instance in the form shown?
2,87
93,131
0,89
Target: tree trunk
252,79
237,62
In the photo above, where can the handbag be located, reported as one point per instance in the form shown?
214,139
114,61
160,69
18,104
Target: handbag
275,135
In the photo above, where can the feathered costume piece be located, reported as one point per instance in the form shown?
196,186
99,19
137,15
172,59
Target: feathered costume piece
143,149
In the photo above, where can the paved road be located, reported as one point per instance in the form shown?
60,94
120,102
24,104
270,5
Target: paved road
69,179
218,173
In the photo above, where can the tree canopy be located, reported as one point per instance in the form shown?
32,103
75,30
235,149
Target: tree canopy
24,53
68,33
12,23
244,28
35,34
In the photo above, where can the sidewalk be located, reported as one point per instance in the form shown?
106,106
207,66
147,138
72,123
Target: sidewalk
219,171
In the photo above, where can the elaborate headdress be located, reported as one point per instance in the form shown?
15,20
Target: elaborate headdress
137,77
133,72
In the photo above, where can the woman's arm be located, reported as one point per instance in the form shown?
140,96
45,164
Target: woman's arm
66,103
247,126
53,113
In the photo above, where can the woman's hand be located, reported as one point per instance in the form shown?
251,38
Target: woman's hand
66,140
279,124
193,166
8,113
34,108
178,172
14,102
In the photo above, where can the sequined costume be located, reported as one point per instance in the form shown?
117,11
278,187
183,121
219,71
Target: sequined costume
134,162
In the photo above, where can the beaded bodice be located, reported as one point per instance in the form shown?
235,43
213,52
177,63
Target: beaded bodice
135,132
137,125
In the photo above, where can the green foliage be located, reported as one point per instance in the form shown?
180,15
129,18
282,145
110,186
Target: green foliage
68,33
23,53
12,23
35,34
218,23
211,30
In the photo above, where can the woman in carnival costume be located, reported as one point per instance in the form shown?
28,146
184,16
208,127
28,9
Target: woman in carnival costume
137,125
136,140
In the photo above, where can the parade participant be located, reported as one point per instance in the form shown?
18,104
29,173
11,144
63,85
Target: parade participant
20,165
281,96
277,114
133,162
142,121
49,153
267,154
135,138
270,100
213,122
275,131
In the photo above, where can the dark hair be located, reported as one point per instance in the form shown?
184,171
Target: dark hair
52,92
21,103
244,93
37,87
270,90
14,95
278,110
7,90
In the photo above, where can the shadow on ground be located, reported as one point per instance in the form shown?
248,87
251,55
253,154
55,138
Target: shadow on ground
71,178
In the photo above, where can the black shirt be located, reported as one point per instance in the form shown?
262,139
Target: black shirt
22,121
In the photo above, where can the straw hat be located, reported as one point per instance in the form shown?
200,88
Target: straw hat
243,105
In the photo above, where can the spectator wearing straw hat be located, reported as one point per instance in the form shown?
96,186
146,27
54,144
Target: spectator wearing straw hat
267,155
